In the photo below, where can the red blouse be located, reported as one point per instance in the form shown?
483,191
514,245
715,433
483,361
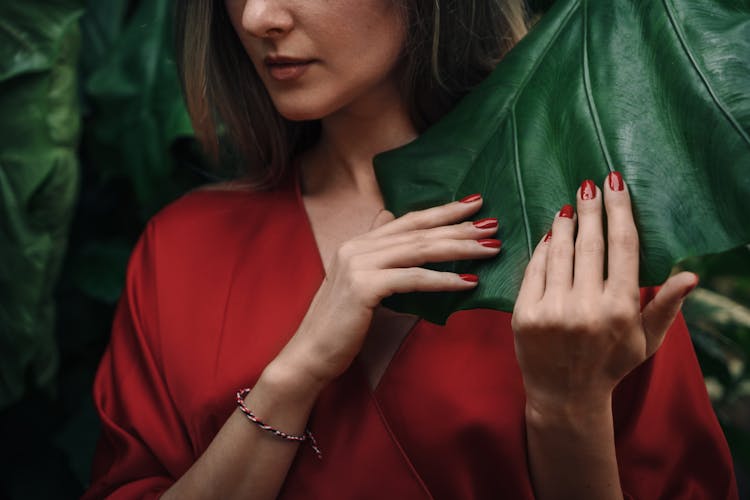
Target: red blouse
217,285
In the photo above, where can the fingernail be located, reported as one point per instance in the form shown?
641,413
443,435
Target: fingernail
471,278
615,181
487,223
588,190
548,236
490,243
566,211
697,279
471,198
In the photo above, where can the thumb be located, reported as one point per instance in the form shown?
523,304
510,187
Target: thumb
383,217
659,314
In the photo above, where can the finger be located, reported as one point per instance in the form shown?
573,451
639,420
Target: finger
416,254
559,271
532,286
622,237
418,279
589,246
659,314
475,230
441,215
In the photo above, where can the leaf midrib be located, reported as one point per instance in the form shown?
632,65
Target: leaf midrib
514,101
587,89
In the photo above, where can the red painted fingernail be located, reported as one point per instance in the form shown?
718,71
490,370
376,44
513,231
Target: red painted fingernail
615,181
588,190
566,211
471,278
697,279
490,243
548,236
471,198
487,223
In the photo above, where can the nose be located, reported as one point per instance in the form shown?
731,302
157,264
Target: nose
267,18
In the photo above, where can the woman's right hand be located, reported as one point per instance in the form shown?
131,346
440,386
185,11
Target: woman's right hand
375,265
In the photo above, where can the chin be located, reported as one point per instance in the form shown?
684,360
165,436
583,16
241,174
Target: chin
299,114
305,107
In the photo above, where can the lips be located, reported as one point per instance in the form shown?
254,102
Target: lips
284,68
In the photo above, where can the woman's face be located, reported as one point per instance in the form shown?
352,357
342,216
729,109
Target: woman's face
317,57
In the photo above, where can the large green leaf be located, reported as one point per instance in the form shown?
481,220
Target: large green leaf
39,130
135,101
659,90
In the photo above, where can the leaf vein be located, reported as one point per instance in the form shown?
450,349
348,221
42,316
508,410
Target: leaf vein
512,103
689,53
587,89
519,182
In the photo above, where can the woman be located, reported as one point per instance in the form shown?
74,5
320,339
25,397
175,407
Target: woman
275,284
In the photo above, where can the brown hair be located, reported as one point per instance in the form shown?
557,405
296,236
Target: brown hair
451,45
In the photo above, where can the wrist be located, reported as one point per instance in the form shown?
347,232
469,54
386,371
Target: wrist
583,414
287,377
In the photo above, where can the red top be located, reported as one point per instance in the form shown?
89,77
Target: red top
217,285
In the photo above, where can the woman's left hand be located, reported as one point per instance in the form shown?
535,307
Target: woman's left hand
578,334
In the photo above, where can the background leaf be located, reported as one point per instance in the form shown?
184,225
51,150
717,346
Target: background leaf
39,130
656,90
136,103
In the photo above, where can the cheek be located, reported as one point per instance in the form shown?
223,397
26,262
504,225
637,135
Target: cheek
372,45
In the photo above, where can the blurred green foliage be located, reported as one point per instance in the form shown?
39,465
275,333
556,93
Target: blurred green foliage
718,316
39,130
135,155
112,70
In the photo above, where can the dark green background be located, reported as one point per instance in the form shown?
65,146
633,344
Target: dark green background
89,150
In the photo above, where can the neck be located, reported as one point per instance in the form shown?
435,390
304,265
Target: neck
350,138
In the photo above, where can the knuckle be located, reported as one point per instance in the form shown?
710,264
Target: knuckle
387,215
409,218
415,276
627,240
522,320
558,315
420,236
590,246
561,252
345,251
622,315
416,218
422,246
534,270
533,320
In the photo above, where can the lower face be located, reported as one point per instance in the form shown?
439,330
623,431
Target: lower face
349,51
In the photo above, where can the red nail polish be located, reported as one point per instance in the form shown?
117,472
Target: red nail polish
490,243
588,190
471,198
615,181
487,223
566,211
471,278
548,236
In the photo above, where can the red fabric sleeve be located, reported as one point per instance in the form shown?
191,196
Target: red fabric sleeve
143,444
669,442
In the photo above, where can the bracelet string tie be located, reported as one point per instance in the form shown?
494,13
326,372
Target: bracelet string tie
307,436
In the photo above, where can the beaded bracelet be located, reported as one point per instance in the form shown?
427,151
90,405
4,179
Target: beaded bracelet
291,437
